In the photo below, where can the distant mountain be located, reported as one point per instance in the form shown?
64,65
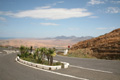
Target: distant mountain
77,39
59,41
3,38
73,38
65,37
109,43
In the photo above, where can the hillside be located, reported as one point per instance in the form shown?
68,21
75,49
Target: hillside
107,43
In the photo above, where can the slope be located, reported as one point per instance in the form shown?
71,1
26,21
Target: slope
108,43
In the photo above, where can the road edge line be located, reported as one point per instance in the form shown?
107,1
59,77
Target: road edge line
66,75
91,69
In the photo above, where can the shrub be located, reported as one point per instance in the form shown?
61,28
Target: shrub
57,63
108,56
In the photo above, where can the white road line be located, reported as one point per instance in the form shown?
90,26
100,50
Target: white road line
84,67
66,75
91,69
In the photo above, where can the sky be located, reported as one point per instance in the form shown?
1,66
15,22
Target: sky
51,18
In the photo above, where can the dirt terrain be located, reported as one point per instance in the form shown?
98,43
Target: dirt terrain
59,41
107,43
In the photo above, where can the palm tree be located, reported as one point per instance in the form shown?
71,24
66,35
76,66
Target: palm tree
31,48
22,49
42,52
26,50
51,54
36,53
47,55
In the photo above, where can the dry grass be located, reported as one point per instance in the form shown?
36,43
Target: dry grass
81,53
108,56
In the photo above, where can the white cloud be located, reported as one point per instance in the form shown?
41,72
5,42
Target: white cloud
115,2
50,5
104,28
93,17
49,24
54,4
93,2
9,13
43,7
2,19
50,13
113,10
60,2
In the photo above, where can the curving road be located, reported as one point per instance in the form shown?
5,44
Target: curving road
80,69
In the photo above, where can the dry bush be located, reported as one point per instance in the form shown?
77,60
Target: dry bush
82,53
108,56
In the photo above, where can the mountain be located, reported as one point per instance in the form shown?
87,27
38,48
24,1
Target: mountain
77,39
108,43
59,41
65,37
74,38
3,38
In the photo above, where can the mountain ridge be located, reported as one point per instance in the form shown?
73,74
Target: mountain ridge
59,41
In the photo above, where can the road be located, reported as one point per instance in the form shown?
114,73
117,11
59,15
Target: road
80,69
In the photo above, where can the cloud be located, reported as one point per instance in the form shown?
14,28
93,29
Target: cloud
50,5
105,28
57,3
8,13
93,17
60,2
49,24
115,2
113,10
50,13
54,4
2,19
43,7
93,2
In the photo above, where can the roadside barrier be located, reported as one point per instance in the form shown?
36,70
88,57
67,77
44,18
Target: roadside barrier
47,67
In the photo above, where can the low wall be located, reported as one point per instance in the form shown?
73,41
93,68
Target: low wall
41,66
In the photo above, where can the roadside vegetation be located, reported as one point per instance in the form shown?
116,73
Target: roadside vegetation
81,53
41,55
86,53
107,56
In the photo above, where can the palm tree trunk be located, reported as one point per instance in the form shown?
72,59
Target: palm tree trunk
48,58
51,60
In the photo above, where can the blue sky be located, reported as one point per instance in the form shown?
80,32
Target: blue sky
50,18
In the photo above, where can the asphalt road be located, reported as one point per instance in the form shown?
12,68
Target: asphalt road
80,69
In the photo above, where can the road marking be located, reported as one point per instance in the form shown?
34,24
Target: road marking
84,67
91,69
66,75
